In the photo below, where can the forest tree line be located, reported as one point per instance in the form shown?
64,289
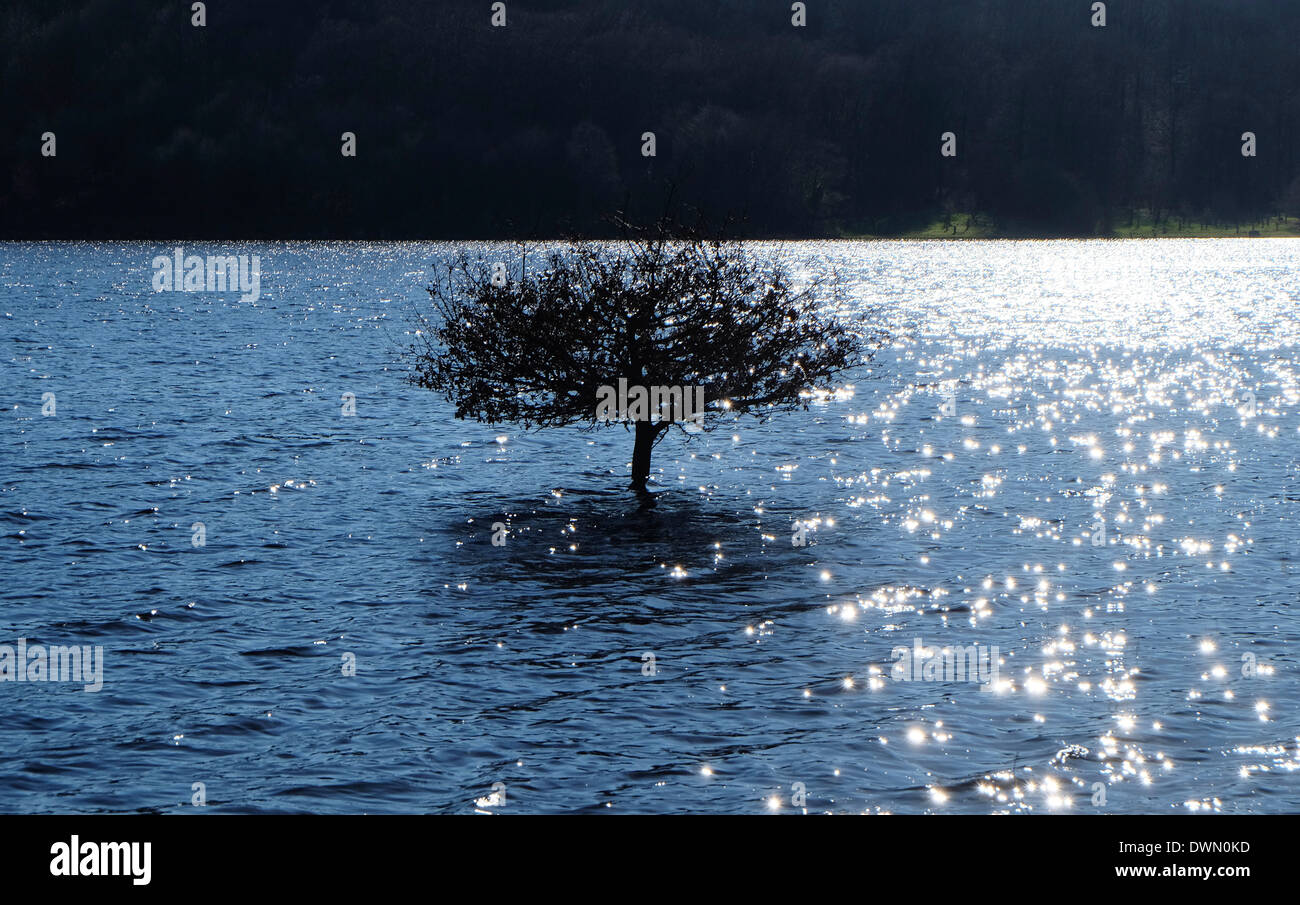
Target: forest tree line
466,130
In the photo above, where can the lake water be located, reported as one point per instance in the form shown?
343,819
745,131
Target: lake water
1082,454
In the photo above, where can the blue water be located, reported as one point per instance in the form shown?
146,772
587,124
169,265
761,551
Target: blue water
1032,392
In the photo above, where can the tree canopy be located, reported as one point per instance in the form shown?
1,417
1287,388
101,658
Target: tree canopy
538,342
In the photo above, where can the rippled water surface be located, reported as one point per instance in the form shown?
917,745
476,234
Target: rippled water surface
1083,454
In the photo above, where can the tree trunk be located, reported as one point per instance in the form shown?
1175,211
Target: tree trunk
646,432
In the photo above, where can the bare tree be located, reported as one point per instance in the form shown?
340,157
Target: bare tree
659,308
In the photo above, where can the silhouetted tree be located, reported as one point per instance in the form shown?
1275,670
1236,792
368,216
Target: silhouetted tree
658,309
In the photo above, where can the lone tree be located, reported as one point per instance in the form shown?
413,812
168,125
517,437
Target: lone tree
658,309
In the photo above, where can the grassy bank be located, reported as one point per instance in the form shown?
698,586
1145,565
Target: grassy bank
1144,227
1139,226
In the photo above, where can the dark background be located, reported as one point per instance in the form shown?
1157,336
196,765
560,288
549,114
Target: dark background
469,131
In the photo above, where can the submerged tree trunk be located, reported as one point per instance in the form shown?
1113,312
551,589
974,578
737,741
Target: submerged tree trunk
646,434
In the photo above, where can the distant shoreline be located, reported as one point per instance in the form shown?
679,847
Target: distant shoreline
1278,228
968,227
